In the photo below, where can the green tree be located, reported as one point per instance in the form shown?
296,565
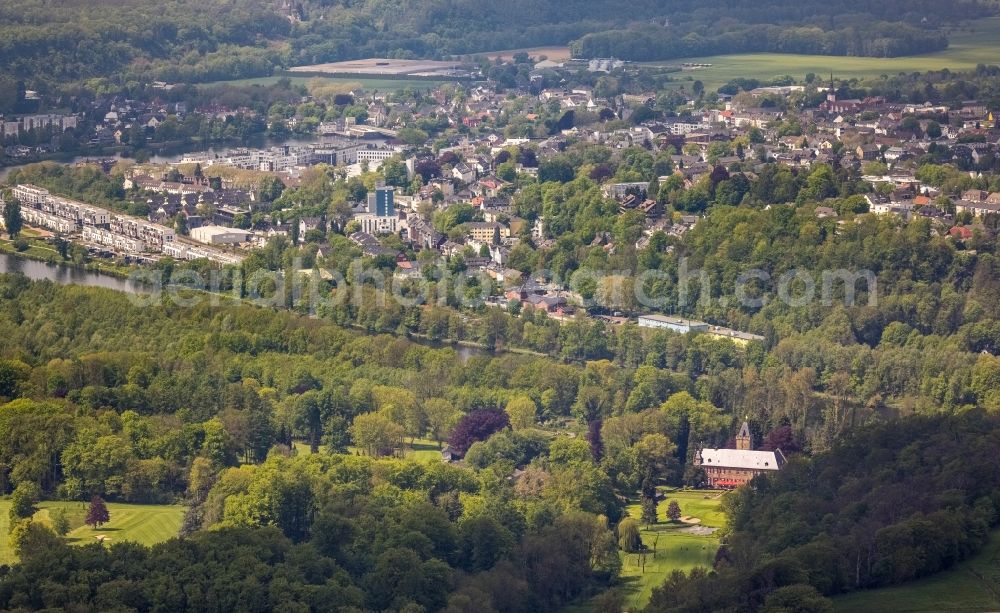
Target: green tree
522,412
649,507
797,598
269,188
23,500
376,434
12,217
62,247
413,136
180,224
60,522
441,417
394,172
674,511
629,538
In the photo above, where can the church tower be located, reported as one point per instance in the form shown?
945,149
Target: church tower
743,441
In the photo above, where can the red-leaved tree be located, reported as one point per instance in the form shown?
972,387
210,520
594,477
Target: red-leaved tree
476,426
782,438
97,514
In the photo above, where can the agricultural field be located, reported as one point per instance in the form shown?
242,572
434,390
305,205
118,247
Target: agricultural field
976,43
141,523
972,586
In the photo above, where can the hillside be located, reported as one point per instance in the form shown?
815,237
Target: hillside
970,586
136,40
893,503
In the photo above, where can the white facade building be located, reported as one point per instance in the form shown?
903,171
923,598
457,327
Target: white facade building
217,235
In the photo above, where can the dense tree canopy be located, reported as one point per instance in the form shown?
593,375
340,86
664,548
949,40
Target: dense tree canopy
889,504
139,40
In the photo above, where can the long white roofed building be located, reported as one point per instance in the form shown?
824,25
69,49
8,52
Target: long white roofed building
729,468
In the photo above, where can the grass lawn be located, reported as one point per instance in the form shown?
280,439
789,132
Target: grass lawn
703,504
37,249
675,549
422,449
974,43
972,586
141,523
554,53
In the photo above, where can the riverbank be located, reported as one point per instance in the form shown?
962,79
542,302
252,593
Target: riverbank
424,339
39,250
40,263
64,273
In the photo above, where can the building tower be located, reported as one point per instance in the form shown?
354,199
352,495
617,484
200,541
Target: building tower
743,441
382,202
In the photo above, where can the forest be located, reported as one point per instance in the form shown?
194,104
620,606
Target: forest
893,503
879,39
135,41
285,431
914,343
282,432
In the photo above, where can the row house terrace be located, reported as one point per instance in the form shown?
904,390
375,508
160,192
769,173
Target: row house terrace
107,238
77,211
39,218
155,236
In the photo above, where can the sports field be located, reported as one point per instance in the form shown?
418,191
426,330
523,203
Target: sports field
556,54
348,83
380,66
141,523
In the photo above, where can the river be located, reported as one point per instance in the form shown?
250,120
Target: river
68,275
65,275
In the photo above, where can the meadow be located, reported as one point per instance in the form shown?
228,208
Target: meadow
141,523
975,43
972,586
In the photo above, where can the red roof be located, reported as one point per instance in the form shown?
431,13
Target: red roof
960,232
